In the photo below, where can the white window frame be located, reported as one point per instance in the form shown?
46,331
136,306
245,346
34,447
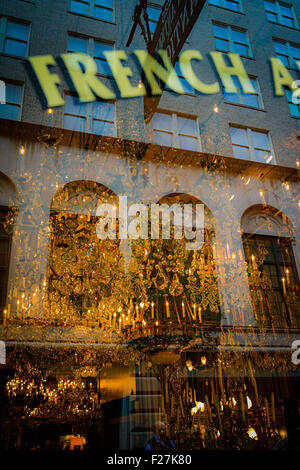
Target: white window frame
3,24
91,10
89,118
280,15
258,94
230,39
289,56
91,49
251,146
223,5
20,84
174,129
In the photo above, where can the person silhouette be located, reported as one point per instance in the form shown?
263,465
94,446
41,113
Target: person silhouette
160,440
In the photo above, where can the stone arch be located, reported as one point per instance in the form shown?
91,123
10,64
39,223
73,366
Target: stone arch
266,220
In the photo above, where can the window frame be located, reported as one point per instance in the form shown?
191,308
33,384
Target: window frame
6,268
239,95
21,85
251,147
175,134
279,14
289,55
230,40
290,103
91,6
89,117
91,49
223,5
3,27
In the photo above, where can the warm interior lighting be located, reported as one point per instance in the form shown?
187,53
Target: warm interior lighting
50,111
189,365
232,197
252,434
203,360
249,403
22,150
216,109
269,159
140,84
248,180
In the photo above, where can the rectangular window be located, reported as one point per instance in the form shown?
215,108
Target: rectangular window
249,144
234,5
15,37
100,9
288,53
95,49
188,89
294,108
12,107
97,117
173,130
245,99
280,13
5,248
229,39
153,17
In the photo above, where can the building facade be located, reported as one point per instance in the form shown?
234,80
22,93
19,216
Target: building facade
106,337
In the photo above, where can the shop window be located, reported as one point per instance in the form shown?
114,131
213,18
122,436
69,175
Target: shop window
234,5
250,144
280,13
287,52
245,99
100,9
6,218
230,39
97,117
174,130
12,107
15,37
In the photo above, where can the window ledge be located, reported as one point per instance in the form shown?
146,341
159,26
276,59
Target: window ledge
227,9
92,17
295,117
293,28
3,54
245,106
242,56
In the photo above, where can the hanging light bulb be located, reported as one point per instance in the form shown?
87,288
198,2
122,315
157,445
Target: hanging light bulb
50,111
140,84
203,360
189,365
22,150
252,433
216,109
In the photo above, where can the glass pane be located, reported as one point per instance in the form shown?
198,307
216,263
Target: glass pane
232,5
17,31
240,49
187,126
74,123
239,136
294,110
154,13
9,111
152,26
103,14
220,31
270,6
162,138
103,111
222,45
215,2
280,48
73,106
162,121
188,143
241,152
283,59
103,128
250,100
260,140
231,97
100,47
13,93
262,156
287,21
286,11
79,7
77,45
272,17
105,3
15,48
239,36
295,51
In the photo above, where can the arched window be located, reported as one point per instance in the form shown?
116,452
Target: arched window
178,286
268,244
81,266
